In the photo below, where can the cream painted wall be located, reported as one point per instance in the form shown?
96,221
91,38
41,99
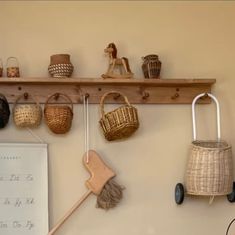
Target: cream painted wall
193,40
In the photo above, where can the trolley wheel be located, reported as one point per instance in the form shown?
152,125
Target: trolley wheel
179,193
231,196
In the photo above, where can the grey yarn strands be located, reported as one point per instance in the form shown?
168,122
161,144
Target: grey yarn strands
110,195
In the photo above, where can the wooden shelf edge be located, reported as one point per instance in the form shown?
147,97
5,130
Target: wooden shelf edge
102,81
138,90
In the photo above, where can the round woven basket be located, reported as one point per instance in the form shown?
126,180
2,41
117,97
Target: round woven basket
27,115
60,70
58,117
119,123
4,111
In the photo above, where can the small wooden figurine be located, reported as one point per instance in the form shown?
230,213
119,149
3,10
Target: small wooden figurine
120,65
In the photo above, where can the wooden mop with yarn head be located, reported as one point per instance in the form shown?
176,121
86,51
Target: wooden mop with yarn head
101,183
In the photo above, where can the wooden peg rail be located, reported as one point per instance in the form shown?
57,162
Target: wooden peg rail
138,91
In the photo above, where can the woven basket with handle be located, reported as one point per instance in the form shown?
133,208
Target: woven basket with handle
119,123
4,111
58,117
209,170
27,115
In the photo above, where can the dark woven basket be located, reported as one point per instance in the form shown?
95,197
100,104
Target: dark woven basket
4,111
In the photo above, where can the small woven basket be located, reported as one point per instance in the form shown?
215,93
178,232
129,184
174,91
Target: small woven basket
27,115
4,111
119,123
13,70
209,169
58,117
151,66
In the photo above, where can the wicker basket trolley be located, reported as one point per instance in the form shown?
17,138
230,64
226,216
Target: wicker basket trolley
209,169
27,115
58,117
121,122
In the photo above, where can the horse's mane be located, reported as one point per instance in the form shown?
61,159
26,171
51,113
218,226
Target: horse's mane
114,53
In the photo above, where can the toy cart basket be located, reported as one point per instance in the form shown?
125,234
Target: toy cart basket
209,169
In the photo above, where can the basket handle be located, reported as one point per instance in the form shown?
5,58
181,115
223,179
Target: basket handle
12,58
109,93
25,95
217,114
56,96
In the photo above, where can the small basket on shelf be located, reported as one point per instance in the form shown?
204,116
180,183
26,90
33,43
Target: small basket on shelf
119,123
60,66
58,117
13,70
27,115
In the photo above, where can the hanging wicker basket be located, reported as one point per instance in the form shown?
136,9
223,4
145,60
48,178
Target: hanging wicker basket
119,123
4,111
58,117
27,115
209,170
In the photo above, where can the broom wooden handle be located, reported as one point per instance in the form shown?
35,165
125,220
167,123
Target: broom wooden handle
69,213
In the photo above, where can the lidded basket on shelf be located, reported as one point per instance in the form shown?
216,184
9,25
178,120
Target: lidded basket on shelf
151,66
120,123
13,69
60,66
58,117
4,111
27,115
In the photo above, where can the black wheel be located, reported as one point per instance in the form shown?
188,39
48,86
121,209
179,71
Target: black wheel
179,193
231,196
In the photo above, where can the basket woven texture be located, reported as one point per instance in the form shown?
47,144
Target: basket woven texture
58,117
60,70
4,111
27,115
151,66
209,170
13,71
119,123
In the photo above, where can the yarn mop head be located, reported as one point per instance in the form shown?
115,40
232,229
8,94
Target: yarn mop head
101,182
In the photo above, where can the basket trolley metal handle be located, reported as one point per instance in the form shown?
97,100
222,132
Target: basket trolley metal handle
217,114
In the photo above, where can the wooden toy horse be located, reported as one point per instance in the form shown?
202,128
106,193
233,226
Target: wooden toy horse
117,63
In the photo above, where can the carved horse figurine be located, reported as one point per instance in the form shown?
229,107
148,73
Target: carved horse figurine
115,63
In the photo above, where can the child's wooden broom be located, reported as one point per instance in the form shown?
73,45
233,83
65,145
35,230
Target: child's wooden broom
101,183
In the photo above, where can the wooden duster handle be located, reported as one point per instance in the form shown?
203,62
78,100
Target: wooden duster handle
70,212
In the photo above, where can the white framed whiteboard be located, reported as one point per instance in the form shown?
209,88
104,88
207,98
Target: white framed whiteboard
23,189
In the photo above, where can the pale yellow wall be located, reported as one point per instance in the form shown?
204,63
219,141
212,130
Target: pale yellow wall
193,40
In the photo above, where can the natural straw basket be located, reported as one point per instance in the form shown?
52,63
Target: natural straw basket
27,115
119,123
4,111
209,170
13,70
58,117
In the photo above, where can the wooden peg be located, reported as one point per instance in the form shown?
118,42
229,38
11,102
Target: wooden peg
145,95
26,95
116,96
175,96
57,95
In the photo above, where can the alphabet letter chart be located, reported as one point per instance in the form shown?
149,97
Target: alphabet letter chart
23,189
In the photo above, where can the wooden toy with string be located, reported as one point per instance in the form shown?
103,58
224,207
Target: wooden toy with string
101,183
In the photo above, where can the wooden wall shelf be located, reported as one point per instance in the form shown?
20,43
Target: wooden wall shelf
138,91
